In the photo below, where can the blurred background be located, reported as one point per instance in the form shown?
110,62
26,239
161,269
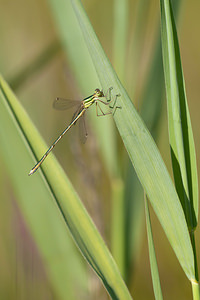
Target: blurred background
36,64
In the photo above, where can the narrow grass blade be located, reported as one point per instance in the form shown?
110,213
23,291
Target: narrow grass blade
118,225
195,290
180,129
152,256
134,220
120,36
143,152
62,264
71,209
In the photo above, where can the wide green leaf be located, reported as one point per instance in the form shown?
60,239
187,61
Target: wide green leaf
143,152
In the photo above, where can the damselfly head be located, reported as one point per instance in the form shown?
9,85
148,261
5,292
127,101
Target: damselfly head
99,93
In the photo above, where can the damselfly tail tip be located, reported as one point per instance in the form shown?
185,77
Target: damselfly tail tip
31,171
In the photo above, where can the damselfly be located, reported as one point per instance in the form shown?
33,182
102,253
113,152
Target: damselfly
82,106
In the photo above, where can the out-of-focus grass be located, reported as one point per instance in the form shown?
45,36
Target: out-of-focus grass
29,30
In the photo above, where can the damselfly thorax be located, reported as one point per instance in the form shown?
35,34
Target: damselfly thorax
82,106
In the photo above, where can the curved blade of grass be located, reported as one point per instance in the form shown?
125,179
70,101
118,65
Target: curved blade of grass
62,264
152,256
81,226
143,152
180,129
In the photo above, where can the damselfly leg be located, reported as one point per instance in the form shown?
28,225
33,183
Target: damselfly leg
82,106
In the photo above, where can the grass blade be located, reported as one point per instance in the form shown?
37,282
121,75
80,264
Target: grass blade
152,256
180,129
36,202
118,225
120,36
143,152
81,226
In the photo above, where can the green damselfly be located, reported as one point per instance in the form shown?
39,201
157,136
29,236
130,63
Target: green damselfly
82,106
